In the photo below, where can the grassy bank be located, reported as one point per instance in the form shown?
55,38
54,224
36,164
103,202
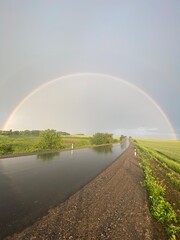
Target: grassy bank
30,144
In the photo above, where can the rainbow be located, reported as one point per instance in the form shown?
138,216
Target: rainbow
5,127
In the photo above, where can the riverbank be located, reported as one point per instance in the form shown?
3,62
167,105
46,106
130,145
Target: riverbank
50,151
111,206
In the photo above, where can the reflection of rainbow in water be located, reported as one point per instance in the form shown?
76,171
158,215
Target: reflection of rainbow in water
5,127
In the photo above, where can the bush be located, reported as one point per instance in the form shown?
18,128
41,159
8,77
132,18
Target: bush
102,138
6,149
50,140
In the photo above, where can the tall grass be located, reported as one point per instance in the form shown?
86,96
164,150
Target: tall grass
20,144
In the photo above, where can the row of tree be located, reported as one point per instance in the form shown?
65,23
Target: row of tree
26,132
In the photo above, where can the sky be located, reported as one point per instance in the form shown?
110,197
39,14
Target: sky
135,41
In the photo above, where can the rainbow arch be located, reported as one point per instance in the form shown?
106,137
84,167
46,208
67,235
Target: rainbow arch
5,126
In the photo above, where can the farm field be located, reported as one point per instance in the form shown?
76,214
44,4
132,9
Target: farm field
170,148
76,140
160,161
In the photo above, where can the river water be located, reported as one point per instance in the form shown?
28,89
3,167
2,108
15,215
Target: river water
31,185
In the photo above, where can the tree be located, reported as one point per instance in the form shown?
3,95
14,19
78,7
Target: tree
102,138
15,133
122,138
50,140
27,132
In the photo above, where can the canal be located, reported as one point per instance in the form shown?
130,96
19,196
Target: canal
31,185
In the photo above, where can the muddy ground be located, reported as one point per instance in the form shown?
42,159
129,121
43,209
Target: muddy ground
112,206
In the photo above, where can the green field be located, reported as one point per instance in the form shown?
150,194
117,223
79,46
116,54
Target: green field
76,140
170,148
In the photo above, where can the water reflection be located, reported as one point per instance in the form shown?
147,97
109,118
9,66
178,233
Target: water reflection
103,149
48,156
125,143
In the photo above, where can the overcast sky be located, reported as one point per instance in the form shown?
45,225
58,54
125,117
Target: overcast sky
137,41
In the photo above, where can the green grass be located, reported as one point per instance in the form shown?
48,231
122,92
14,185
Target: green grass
167,152
174,179
175,166
76,136
76,140
169,148
20,144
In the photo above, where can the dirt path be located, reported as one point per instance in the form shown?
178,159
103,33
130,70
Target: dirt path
112,206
